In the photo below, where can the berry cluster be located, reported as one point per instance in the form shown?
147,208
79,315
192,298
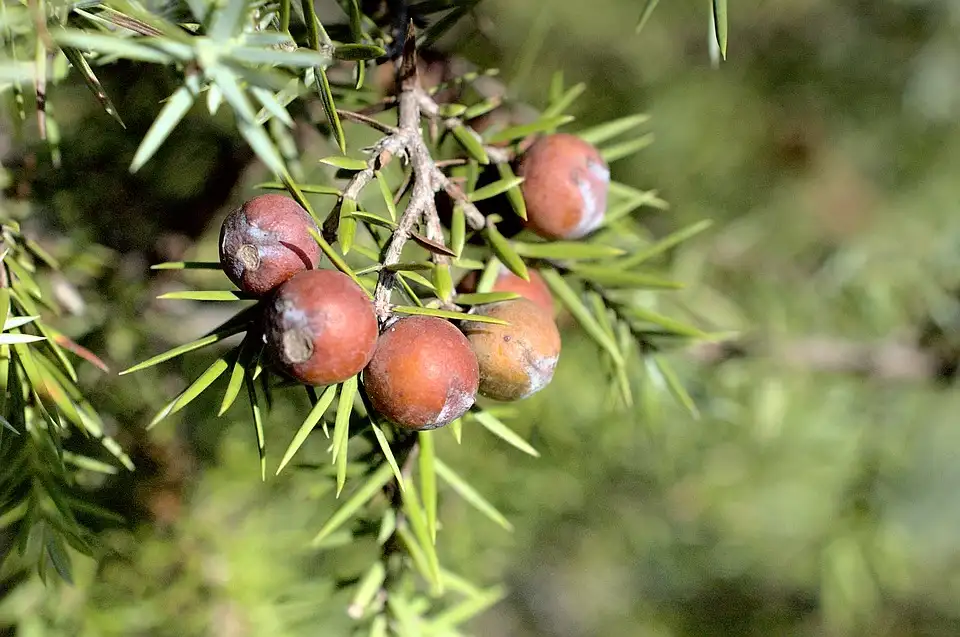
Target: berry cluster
419,372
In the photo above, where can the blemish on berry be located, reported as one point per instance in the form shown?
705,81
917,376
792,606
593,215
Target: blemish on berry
249,256
297,346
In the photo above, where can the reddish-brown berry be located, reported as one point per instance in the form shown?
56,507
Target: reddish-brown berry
320,327
535,289
423,375
516,360
565,187
266,241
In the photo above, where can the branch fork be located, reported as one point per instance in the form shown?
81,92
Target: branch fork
406,141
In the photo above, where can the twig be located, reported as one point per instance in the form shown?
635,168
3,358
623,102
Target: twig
421,163
360,118
884,360
473,215
445,163
404,187
40,23
426,176
430,108
383,151
411,216
427,179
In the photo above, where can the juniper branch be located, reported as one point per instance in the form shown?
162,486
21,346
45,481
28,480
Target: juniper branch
883,360
427,178
361,118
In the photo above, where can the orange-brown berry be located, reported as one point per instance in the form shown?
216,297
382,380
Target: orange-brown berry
266,241
565,187
320,327
516,360
535,289
423,375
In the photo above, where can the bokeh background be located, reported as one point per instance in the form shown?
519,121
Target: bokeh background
818,493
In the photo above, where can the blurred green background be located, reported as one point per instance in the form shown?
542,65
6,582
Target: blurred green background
817,494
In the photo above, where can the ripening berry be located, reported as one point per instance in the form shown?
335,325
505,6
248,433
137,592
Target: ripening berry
266,241
565,187
320,327
423,375
535,289
516,360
